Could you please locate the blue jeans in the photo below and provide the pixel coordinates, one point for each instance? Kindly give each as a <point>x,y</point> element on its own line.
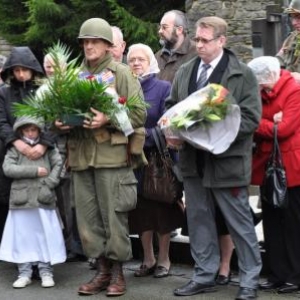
<point>25,269</point>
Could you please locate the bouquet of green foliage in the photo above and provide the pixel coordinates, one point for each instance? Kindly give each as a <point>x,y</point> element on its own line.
<point>66,93</point>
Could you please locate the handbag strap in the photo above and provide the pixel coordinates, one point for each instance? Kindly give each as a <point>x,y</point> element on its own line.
<point>160,142</point>
<point>276,155</point>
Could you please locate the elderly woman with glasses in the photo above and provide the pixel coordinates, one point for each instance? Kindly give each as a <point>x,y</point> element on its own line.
<point>152,216</point>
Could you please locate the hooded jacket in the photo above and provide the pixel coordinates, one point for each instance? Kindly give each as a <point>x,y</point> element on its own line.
<point>23,57</point>
<point>15,91</point>
<point>28,190</point>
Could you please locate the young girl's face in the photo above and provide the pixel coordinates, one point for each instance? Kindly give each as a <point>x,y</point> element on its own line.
<point>31,132</point>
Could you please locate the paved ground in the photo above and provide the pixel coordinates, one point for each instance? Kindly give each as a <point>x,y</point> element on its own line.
<point>69,276</point>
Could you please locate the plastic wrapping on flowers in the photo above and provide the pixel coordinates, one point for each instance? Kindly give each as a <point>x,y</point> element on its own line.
<point>120,115</point>
<point>206,119</point>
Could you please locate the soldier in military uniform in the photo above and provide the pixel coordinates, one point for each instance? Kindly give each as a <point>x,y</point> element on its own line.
<point>289,54</point>
<point>101,163</point>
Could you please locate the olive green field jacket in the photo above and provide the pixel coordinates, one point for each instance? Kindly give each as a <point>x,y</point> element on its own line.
<point>108,147</point>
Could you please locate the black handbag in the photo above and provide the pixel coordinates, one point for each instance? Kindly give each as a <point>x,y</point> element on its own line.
<point>274,189</point>
<point>160,182</point>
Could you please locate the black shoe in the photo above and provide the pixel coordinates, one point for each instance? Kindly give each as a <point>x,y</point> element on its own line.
<point>261,245</point>
<point>246,293</point>
<point>173,233</point>
<point>93,263</point>
<point>193,288</point>
<point>288,288</point>
<point>269,285</point>
<point>222,279</point>
<point>74,257</point>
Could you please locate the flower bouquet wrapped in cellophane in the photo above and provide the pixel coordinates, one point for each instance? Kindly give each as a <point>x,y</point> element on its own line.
<point>206,119</point>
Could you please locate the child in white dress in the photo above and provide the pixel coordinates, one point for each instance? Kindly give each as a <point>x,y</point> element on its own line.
<point>32,233</point>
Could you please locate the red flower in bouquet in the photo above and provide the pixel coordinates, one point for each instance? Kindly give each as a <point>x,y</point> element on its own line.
<point>122,100</point>
<point>91,77</point>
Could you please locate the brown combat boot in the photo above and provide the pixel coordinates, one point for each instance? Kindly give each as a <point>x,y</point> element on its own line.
<point>100,281</point>
<point>117,286</point>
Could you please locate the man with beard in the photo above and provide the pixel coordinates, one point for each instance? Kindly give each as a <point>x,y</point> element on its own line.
<point>177,48</point>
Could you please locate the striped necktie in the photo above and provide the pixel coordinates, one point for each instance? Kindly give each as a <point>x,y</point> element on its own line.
<point>203,76</point>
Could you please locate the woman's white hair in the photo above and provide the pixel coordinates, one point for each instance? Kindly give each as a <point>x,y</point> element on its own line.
<point>149,53</point>
<point>266,69</point>
<point>56,58</point>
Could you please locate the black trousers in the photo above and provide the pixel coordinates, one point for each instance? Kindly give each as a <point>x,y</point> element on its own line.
<point>281,229</point>
<point>64,204</point>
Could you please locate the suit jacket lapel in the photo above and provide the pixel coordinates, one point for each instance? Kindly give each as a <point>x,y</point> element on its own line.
<point>217,74</point>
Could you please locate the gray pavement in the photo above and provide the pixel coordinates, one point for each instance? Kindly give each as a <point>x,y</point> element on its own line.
<point>69,276</point>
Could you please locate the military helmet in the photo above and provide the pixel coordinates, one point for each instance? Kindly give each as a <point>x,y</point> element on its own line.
<point>96,28</point>
<point>294,7</point>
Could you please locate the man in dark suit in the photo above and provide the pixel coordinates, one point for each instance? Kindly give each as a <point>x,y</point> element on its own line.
<point>222,179</point>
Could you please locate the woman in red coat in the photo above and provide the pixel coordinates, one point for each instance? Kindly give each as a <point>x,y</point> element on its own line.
<point>281,104</point>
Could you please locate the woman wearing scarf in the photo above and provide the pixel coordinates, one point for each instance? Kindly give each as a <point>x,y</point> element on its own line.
<point>151,217</point>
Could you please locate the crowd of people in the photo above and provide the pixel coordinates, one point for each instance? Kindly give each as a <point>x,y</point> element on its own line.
<point>94,176</point>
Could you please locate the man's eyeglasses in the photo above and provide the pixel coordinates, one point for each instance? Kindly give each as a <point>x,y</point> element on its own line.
<point>203,41</point>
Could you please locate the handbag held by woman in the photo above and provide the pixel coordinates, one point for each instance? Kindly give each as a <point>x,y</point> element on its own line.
<point>160,182</point>
<point>274,189</point>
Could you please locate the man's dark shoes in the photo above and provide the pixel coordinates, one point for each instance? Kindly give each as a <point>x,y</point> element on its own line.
<point>288,288</point>
<point>269,285</point>
<point>246,293</point>
<point>193,288</point>
<point>222,279</point>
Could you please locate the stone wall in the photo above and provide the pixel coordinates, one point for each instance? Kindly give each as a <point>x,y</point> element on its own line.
<point>237,13</point>
<point>5,47</point>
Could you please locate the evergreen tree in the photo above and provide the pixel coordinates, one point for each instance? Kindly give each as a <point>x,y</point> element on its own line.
<point>13,21</point>
<point>40,23</point>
